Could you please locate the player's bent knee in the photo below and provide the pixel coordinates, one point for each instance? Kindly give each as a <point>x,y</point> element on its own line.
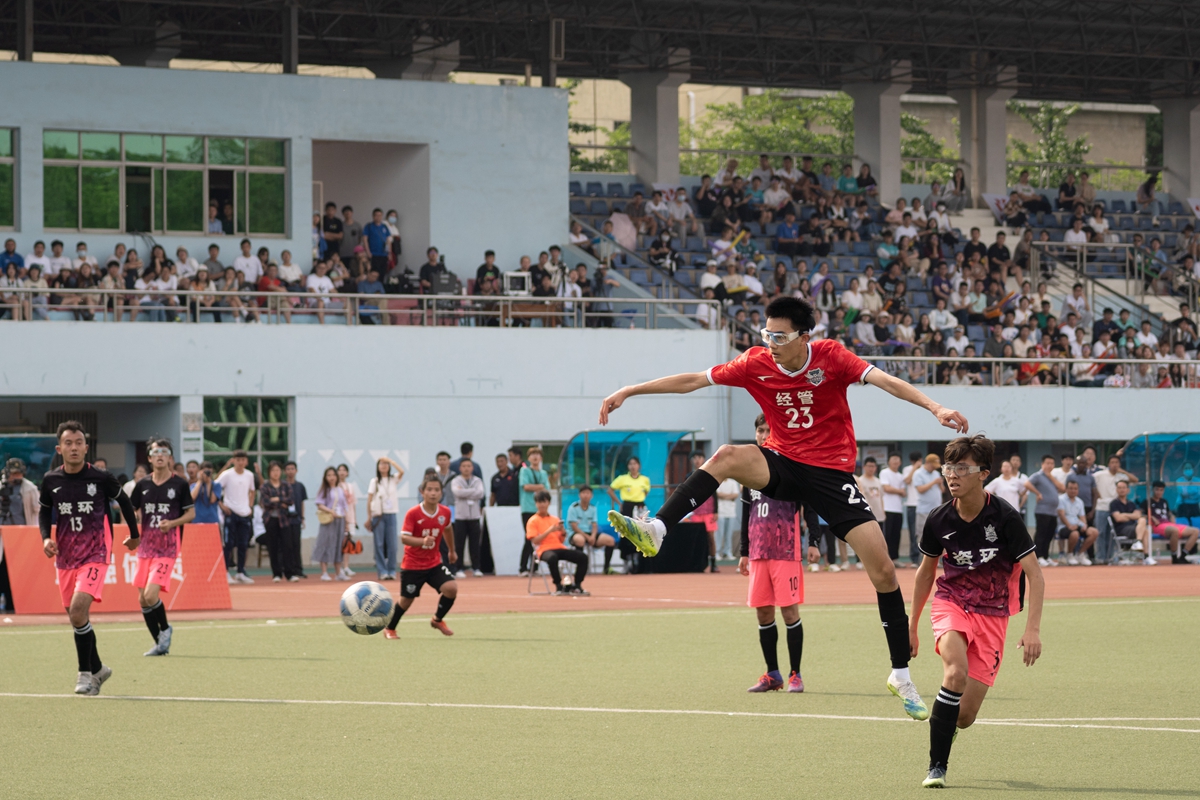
<point>965,718</point>
<point>450,590</point>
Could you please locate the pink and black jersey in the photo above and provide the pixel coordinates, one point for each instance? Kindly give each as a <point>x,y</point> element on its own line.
<point>807,409</point>
<point>980,569</point>
<point>158,502</point>
<point>79,501</point>
<point>770,528</point>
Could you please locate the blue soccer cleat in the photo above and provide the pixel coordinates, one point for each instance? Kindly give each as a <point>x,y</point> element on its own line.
<point>914,706</point>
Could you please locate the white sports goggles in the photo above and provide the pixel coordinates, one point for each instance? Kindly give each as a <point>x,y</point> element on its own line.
<point>779,338</point>
<point>161,451</point>
<point>959,469</point>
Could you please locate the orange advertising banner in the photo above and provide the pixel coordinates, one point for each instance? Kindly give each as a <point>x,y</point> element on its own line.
<point>198,582</point>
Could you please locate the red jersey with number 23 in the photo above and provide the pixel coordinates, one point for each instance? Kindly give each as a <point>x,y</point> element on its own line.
<point>418,523</point>
<point>807,409</point>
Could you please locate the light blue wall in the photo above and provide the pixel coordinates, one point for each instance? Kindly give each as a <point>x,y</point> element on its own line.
<point>498,158</point>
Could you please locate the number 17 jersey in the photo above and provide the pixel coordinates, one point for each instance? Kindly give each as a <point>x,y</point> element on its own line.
<point>806,409</point>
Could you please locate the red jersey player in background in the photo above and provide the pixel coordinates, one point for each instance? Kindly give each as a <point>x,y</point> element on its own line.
<point>79,494</point>
<point>984,546</point>
<point>426,526</point>
<point>771,548</point>
<point>164,505</point>
<point>808,459</point>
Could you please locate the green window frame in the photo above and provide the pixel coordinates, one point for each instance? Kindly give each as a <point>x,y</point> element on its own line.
<point>8,179</point>
<point>87,186</point>
<point>259,425</point>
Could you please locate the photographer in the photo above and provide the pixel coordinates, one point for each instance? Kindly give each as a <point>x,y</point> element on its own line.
<point>18,497</point>
<point>207,495</point>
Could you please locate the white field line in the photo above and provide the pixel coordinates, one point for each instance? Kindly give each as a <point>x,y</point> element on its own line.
<point>1032,723</point>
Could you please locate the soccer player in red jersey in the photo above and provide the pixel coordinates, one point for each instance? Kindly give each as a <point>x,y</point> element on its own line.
<point>164,503</point>
<point>808,459</point>
<point>771,552</point>
<point>986,554</point>
<point>79,494</point>
<point>425,527</point>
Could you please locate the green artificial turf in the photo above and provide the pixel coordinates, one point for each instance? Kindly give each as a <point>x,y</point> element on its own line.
<point>1119,659</point>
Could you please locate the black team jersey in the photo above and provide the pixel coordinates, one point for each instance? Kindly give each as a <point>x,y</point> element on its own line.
<point>80,501</point>
<point>168,501</point>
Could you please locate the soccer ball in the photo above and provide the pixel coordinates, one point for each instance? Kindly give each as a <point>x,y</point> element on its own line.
<point>366,607</point>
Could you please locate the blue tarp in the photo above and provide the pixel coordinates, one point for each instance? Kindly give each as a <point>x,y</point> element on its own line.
<point>1162,457</point>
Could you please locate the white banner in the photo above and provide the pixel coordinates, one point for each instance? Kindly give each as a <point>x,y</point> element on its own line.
<point>1194,204</point>
<point>996,203</point>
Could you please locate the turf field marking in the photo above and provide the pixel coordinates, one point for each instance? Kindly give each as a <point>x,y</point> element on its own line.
<point>1030,723</point>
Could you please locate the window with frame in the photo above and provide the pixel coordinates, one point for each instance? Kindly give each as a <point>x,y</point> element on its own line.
<point>156,183</point>
<point>8,167</point>
<point>258,425</point>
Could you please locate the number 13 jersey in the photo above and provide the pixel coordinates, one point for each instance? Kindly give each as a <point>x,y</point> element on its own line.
<point>79,500</point>
<point>806,409</point>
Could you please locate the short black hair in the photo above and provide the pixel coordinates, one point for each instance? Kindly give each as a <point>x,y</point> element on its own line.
<point>380,210</point>
<point>795,310</point>
<point>331,204</point>
<point>159,441</point>
<point>69,425</point>
<point>541,496</point>
<point>346,208</point>
<point>466,448</point>
<point>442,453</point>
<point>870,460</point>
<point>487,253</point>
<point>287,464</point>
<point>914,456</point>
<point>584,488</point>
<point>240,454</point>
<point>1158,485</point>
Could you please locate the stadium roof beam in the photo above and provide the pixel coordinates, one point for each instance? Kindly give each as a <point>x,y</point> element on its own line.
<point>1084,50</point>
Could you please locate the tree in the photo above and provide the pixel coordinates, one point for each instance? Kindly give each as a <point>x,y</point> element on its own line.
<point>1051,144</point>
<point>599,160</point>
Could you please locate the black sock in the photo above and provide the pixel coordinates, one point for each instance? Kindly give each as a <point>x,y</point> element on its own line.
<point>768,637</point>
<point>795,641</point>
<point>444,604</point>
<point>161,613</point>
<point>85,641</point>
<point>151,618</point>
<point>95,660</point>
<point>608,551</point>
<point>397,613</point>
<point>687,497</point>
<point>895,626</point>
<point>943,721</point>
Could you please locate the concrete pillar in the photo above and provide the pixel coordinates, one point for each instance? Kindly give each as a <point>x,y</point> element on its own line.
<point>983,133</point>
<point>654,120</point>
<point>1181,147</point>
<point>428,61</point>
<point>290,54</point>
<point>877,126</point>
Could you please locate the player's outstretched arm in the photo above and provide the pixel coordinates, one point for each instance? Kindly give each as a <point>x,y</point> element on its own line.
<point>1031,640</point>
<point>922,587</point>
<point>673,384</point>
<point>948,417</point>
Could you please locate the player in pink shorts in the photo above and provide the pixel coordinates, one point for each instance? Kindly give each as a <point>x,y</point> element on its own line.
<point>771,548</point>
<point>164,504</point>
<point>79,493</point>
<point>1163,524</point>
<point>986,553</point>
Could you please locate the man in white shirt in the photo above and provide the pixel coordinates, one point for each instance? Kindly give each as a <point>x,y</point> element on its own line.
<point>1067,469</point>
<point>764,171</point>
<point>38,257</point>
<point>185,265</point>
<point>1072,526</point>
<point>237,504</point>
<point>57,261</point>
<point>1077,235</point>
<point>1077,302</point>
<point>911,495</point>
<point>569,289</point>
<point>958,341</point>
<point>894,492</point>
<point>788,174</point>
<point>1144,337</point>
<point>248,264</point>
<point>1106,492</point>
<point>683,221</point>
<point>754,287</point>
<point>710,279</point>
<point>776,200</point>
<point>82,257</point>
<point>289,273</point>
<point>707,314</point>
<point>872,488</point>
<point>659,213</point>
<point>724,178</point>
<point>729,492</point>
<point>928,481</point>
<point>906,228</point>
<point>1008,487</point>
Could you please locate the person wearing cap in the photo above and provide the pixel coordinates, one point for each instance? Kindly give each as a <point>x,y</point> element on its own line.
<point>21,507</point>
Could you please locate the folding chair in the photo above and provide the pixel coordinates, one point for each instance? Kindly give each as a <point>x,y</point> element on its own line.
<point>535,569</point>
<point>1123,547</point>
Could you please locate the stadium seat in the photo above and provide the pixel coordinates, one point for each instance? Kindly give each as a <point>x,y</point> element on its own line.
<point>862,248</point>
<point>695,243</point>
<point>919,300</point>
<point>634,188</point>
<point>1176,207</point>
<point>595,189</point>
<point>599,206</point>
<point>1183,222</point>
<point>575,188</point>
<point>846,264</point>
<point>1118,207</point>
<point>1125,223</point>
<point>578,206</point>
<point>772,228</point>
<point>618,205</point>
<point>1144,223</point>
<point>616,190</point>
<point>841,248</point>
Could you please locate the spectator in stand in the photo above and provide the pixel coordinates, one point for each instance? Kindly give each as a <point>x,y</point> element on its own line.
<point>38,257</point>
<point>635,209</point>
<point>270,282</point>
<point>1129,522</point>
<point>548,533</point>
<point>1163,525</point>
<point>531,480</point>
<point>248,264</point>
<point>469,493</point>
<point>580,239</point>
<point>332,229</point>
<point>378,237</point>
<point>1047,488</point>
<point>321,285</point>
<point>777,201</point>
<point>583,525</point>
<point>1147,199</point>
<point>1073,525</point>
<point>352,235</point>
<point>659,212</point>
<point>383,509</point>
<point>57,262</point>
<point>1066,193</point>
<point>11,256</point>
<point>683,221</point>
<point>707,314</point>
<point>787,235</point>
<point>866,183</point>
<point>957,193</point>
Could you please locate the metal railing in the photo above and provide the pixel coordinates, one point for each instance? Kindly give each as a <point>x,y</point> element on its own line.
<point>1105,177</point>
<point>675,289</point>
<point>1079,372</point>
<point>191,306</point>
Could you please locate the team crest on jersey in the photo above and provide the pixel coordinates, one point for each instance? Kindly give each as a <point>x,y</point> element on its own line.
<point>989,533</point>
<point>441,519</point>
<point>170,494</point>
<point>412,587</point>
<point>815,376</point>
<point>91,490</point>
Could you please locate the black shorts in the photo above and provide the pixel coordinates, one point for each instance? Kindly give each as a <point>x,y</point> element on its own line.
<point>831,493</point>
<point>411,580</point>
